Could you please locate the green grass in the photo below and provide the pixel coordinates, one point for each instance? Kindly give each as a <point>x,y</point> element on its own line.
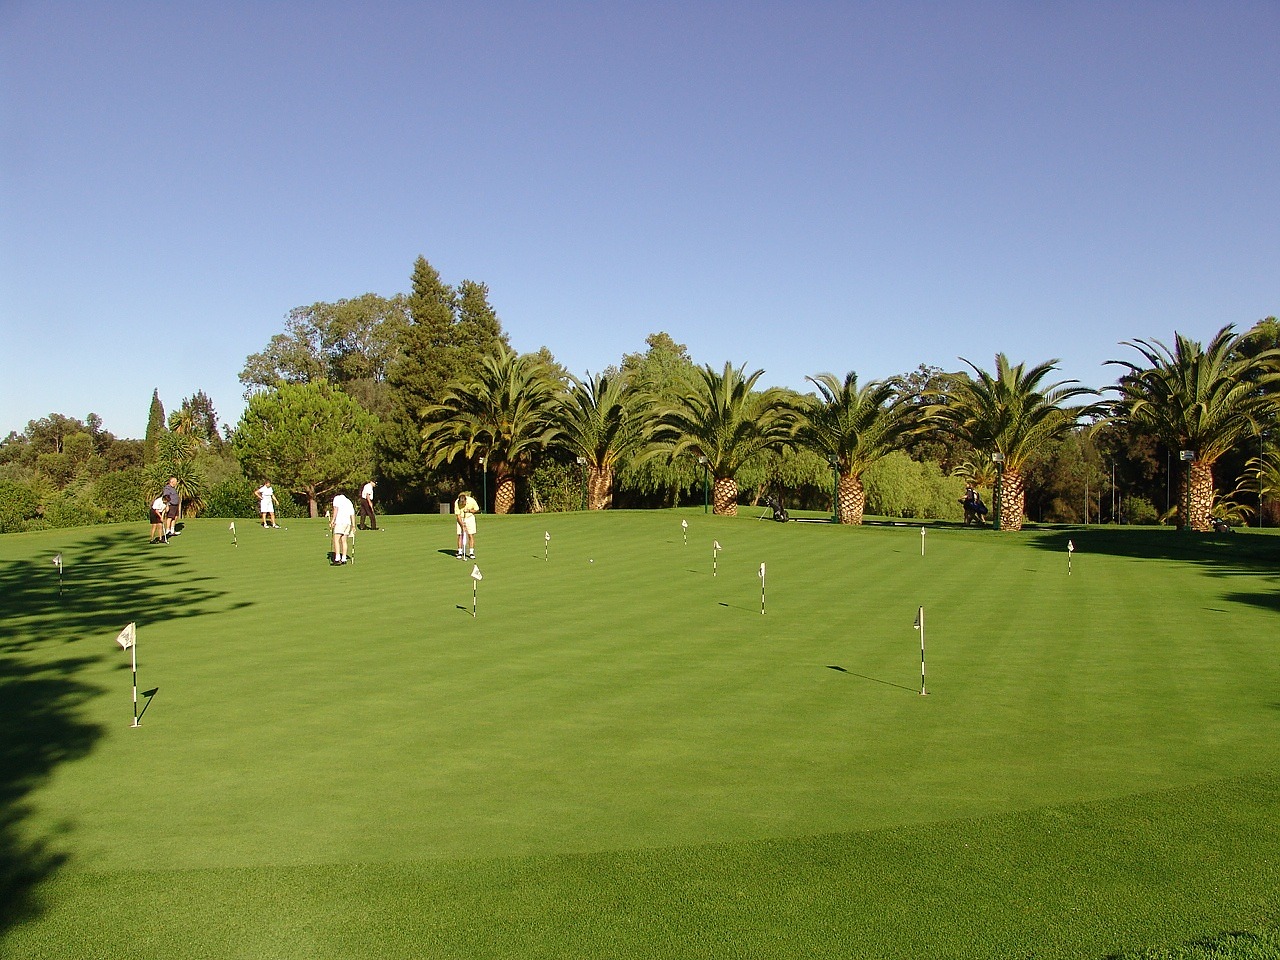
<point>619,755</point>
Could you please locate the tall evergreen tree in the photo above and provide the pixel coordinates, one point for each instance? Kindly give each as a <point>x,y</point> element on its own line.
<point>155,428</point>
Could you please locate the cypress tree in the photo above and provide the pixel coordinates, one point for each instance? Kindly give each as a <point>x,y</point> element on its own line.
<point>155,427</point>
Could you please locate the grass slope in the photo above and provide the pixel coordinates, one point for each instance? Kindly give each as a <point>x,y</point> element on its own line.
<point>619,754</point>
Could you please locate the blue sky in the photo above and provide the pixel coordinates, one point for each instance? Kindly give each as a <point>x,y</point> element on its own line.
<point>798,186</point>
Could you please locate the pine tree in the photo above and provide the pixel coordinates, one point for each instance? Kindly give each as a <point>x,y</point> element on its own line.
<point>155,427</point>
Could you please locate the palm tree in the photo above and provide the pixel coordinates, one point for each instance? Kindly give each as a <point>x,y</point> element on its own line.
<point>602,423</point>
<point>505,415</point>
<point>723,423</point>
<point>852,428</point>
<point>1011,414</point>
<point>1201,399</point>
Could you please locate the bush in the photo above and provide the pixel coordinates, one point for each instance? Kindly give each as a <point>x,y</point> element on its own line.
<point>18,505</point>
<point>122,495</point>
<point>898,486</point>
<point>1141,511</point>
<point>559,487</point>
<point>65,511</point>
<point>232,499</point>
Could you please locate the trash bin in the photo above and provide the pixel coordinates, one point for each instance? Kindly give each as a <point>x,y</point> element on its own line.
<point>444,507</point>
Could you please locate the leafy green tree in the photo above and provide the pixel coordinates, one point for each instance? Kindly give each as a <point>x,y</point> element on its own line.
<point>662,373</point>
<point>506,415</point>
<point>898,486</point>
<point>155,427</point>
<point>308,438</point>
<point>1207,399</point>
<point>852,427</point>
<point>19,505</point>
<point>726,423</point>
<point>602,425</point>
<point>1013,413</point>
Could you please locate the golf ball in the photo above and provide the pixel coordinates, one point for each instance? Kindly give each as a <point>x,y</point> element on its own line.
<point>590,561</point>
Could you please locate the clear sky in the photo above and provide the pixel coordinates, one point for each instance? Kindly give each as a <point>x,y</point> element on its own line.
<point>798,186</point>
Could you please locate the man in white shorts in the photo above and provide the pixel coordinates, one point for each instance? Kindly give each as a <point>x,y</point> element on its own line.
<point>466,509</point>
<point>341,521</point>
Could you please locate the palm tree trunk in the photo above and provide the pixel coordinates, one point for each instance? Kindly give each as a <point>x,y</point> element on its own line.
<point>851,499</point>
<point>504,496</point>
<point>599,488</point>
<point>1013,500</point>
<point>724,497</point>
<point>1201,494</point>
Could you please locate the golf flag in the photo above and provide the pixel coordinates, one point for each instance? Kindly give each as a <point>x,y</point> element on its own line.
<point>922,541</point>
<point>715,556</point>
<point>476,574</point>
<point>684,530</point>
<point>547,536</point>
<point>1071,547</point>
<point>57,561</point>
<point>716,544</point>
<point>128,640</point>
<point>546,546</point>
<point>762,571</point>
<point>924,690</point>
<point>476,577</point>
<point>762,589</point>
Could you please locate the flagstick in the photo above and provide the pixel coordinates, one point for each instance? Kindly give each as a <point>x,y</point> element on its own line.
<point>684,528</point>
<point>924,692</point>
<point>473,598</point>
<point>715,557</point>
<point>922,541</point>
<point>762,573</point>
<point>133,649</point>
<point>546,546</point>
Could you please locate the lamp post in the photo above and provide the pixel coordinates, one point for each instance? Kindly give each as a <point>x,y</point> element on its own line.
<point>834,462</point>
<point>484,482</point>
<point>998,459</point>
<point>1188,457</point>
<point>706,471</point>
<point>582,465</point>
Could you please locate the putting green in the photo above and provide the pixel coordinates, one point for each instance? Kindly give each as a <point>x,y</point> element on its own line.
<point>617,701</point>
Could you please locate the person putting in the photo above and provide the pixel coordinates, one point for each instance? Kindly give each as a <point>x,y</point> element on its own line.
<point>158,521</point>
<point>341,522</point>
<point>466,508</point>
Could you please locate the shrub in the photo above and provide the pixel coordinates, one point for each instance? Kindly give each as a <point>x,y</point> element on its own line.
<point>122,495</point>
<point>18,505</point>
<point>64,511</point>
<point>232,499</point>
<point>898,486</point>
<point>1139,510</point>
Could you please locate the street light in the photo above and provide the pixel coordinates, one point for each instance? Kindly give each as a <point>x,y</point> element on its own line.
<point>1188,457</point>
<point>998,459</point>
<point>835,488</point>
<point>484,482</point>
<point>706,470</point>
<point>582,465</point>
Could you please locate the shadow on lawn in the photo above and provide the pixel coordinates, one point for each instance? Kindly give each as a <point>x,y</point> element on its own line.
<point>49,645</point>
<point>1224,555</point>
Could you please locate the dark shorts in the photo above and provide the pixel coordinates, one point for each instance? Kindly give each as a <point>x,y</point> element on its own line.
<point>155,517</point>
<point>172,511</point>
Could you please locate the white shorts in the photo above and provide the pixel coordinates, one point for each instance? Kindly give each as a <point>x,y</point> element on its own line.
<point>342,529</point>
<point>266,506</point>
<point>467,525</point>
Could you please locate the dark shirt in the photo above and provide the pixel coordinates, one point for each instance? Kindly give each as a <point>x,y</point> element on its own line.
<point>170,494</point>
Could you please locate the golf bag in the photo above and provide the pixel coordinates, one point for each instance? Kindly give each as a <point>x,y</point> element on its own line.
<point>975,511</point>
<point>779,513</point>
<point>1219,525</point>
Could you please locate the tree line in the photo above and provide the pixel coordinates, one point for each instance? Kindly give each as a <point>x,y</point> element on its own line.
<point>423,392</point>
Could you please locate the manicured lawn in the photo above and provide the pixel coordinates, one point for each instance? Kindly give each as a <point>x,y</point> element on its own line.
<point>620,756</point>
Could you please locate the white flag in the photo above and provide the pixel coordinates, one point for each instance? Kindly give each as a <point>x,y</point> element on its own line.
<point>1071,547</point>
<point>716,544</point>
<point>685,524</point>
<point>128,637</point>
<point>57,560</point>
<point>476,574</point>
<point>547,536</point>
<point>762,571</point>
<point>233,526</point>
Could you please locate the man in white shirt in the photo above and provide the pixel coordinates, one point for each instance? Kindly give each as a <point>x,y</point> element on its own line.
<point>341,521</point>
<point>366,506</point>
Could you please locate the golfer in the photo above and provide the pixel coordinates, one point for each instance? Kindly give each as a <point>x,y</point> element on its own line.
<point>466,509</point>
<point>172,503</point>
<point>341,522</point>
<point>267,505</point>
<point>158,509</point>
<point>366,506</point>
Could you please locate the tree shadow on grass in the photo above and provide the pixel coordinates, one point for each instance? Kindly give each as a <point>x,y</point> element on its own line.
<point>1226,555</point>
<point>49,645</point>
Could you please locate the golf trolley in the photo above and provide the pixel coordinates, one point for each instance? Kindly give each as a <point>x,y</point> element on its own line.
<point>779,512</point>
